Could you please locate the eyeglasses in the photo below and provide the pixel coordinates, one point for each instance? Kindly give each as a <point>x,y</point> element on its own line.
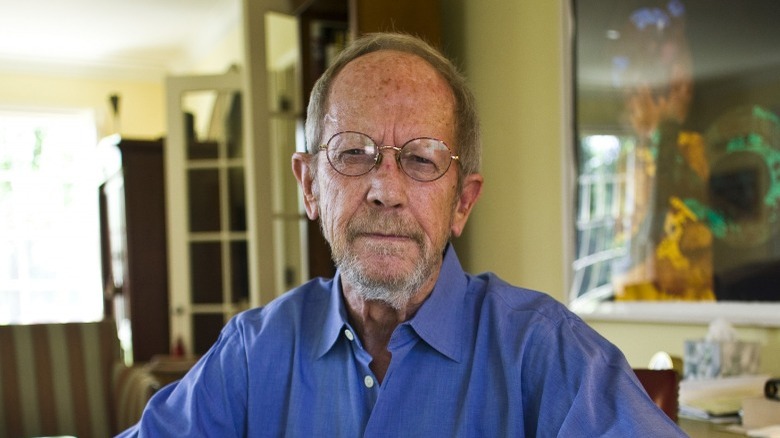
<point>352,153</point>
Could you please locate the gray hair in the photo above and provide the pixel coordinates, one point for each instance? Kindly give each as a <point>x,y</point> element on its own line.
<point>467,134</point>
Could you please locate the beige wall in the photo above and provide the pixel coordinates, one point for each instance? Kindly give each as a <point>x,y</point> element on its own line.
<point>227,51</point>
<point>513,54</point>
<point>141,105</point>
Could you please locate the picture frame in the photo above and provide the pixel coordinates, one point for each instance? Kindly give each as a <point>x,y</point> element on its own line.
<point>675,160</point>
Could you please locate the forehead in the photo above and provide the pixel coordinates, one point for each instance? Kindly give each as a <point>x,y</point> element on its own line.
<point>390,88</point>
<point>387,64</point>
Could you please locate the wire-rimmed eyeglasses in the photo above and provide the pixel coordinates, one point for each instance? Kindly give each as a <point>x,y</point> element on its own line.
<point>353,153</point>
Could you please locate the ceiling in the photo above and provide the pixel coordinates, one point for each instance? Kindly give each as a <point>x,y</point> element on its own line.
<point>127,38</point>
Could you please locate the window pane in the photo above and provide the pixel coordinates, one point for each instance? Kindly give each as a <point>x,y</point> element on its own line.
<point>49,233</point>
<point>204,200</point>
<point>206,268</point>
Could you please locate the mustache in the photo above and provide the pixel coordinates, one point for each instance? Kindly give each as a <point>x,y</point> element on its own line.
<point>374,222</point>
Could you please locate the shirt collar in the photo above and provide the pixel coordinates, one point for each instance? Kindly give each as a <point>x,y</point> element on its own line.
<point>439,321</point>
<point>335,318</point>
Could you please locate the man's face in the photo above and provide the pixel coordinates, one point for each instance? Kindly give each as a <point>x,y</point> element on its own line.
<point>387,231</point>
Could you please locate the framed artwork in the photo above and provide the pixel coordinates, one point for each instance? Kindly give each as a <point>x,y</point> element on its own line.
<point>677,159</point>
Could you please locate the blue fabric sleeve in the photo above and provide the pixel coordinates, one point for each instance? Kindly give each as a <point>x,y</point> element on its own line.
<point>581,385</point>
<point>209,401</point>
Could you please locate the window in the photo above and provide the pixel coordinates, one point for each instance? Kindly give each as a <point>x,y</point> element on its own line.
<point>49,229</point>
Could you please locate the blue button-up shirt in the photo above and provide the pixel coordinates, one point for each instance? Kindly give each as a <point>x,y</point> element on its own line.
<point>481,358</point>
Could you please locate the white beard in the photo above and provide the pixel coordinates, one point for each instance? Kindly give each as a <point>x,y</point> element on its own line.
<point>393,288</point>
<point>394,291</point>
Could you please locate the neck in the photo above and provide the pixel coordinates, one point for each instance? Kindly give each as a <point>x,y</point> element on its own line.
<point>375,322</point>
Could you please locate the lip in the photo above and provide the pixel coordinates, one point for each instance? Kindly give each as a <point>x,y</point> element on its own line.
<point>387,239</point>
<point>380,236</point>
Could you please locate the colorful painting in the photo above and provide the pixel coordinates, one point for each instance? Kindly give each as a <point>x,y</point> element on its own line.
<point>677,148</point>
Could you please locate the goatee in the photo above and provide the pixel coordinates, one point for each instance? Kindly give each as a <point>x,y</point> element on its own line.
<point>375,283</point>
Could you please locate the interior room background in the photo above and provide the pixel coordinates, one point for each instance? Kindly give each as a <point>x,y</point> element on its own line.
<point>516,57</point>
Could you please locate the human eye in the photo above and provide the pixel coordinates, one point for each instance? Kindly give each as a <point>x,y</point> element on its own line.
<point>352,153</point>
<point>419,158</point>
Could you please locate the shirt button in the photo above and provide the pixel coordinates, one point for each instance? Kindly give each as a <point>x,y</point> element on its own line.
<point>349,335</point>
<point>369,382</point>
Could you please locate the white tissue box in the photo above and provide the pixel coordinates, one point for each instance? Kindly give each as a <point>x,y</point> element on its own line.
<point>705,359</point>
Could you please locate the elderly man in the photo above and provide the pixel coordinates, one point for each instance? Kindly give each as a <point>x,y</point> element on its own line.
<point>402,342</point>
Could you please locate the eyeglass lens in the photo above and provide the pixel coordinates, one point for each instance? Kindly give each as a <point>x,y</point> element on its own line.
<point>423,159</point>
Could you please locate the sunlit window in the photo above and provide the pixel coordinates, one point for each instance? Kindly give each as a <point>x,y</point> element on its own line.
<point>49,222</point>
<point>605,208</point>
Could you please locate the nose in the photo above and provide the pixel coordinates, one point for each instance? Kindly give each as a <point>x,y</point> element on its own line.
<point>388,181</point>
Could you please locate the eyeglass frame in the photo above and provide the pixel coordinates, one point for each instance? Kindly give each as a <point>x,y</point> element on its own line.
<point>378,155</point>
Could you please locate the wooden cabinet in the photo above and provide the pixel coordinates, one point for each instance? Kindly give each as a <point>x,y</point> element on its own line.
<point>133,241</point>
<point>324,28</point>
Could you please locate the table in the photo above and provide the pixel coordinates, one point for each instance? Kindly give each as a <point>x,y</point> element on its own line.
<point>706,429</point>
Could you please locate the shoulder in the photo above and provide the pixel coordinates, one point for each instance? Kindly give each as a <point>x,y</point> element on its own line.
<point>506,300</point>
<point>294,302</point>
<point>286,314</point>
<point>526,318</point>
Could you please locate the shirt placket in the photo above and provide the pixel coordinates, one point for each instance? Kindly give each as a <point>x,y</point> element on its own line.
<point>401,343</point>
<point>362,358</point>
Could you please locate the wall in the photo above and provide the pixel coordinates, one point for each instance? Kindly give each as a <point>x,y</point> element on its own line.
<point>513,55</point>
<point>516,227</point>
<point>141,104</point>
<point>224,52</point>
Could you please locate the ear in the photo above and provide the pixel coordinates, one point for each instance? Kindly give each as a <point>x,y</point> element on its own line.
<point>472,188</point>
<point>302,167</point>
